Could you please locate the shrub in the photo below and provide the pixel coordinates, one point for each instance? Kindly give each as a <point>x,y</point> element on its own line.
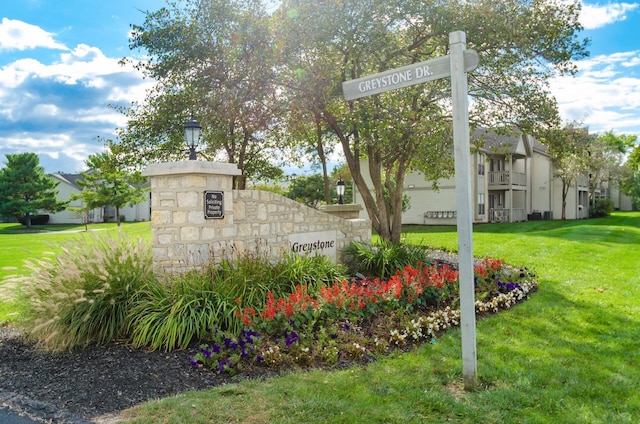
<point>83,296</point>
<point>601,208</point>
<point>382,260</point>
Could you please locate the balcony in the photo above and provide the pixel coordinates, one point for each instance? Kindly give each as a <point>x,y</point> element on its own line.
<point>583,181</point>
<point>506,178</point>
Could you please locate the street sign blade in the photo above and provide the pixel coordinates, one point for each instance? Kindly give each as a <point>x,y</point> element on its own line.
<point>405,76</point>
<point>392,79</point>
<point>471,60</point>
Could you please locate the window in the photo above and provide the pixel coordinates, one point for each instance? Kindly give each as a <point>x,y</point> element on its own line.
<point>481,161</point>
<point>480,203</point>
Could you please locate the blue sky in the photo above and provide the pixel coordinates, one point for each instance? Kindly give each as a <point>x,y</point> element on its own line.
<point>59,72</point>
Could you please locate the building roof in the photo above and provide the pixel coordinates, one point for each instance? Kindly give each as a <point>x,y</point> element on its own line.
<point>508,142</point>
<point>71,179</point>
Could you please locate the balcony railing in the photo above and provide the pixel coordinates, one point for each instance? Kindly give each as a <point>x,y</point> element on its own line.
<point>507,215</point>
<point>504,178</point>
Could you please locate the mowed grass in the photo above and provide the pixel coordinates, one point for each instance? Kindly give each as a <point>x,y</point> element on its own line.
<point>570,354</point>
<point>18,244</point>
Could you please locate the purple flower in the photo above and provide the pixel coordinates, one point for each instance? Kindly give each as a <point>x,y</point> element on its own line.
<point>194,362</point>
<point>244,353</point>
<point>292,338</point>
<point>222,363</point>
<point>248,335</point>
<point>259,358</point>
<point>230,344</point>
<point>216,348</point>
<point>346,326</point>
<point>207,353</point>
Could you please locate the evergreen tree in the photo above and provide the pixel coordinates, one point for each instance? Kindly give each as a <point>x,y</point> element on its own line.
<point>25,189</point>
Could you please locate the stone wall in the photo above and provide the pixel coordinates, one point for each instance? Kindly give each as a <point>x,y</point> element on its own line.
<point>253,222</point>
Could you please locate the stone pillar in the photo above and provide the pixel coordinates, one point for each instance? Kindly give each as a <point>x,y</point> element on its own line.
<point>182,237</point>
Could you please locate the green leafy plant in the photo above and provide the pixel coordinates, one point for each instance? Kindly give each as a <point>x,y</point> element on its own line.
<point>601,208</point>
<point>383,259</point>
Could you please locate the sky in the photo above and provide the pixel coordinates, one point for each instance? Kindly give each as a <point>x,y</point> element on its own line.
<point>60,72</point>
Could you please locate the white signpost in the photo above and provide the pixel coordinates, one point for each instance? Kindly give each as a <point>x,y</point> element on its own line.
<point>455,65</point>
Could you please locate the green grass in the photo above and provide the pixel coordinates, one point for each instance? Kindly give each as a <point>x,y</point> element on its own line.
<point>570,354</point>
<point>18,244</point>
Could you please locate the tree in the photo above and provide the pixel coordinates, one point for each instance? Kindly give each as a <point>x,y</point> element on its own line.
<point>107,184</point>
<point>630,183</point>
<point>605,157</point>
<point>309,133</point>
<point>212,61</point>
<point>631,187</point>
<point>569,149</point>
<point>307,189</point>
<point>25,189</point>
<point>521,44</point>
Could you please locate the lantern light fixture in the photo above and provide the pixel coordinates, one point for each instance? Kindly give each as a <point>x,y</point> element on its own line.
<point>192,131</point>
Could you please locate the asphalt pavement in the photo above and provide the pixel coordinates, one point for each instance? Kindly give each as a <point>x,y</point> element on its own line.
<point>10,417</point>
<point>18,409</point>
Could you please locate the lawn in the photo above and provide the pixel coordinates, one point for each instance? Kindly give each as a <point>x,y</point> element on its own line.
<point>19,244</point>
<point>570,354</point>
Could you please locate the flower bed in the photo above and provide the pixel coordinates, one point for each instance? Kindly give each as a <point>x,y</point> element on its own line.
<point>359,319</point>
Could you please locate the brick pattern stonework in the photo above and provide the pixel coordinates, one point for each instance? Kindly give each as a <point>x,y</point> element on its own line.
<point>255,222</point>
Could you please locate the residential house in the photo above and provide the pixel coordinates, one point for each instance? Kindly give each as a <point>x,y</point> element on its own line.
<point>68,185</point>
<point>512,180</point>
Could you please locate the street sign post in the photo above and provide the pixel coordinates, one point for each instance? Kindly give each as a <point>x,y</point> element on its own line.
<point>455,65</point>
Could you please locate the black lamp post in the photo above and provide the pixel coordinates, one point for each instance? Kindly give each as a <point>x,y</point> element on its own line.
<point>340,186</point>
<point>192,134</point>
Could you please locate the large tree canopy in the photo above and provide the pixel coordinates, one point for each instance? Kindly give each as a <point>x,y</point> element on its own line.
<point>25,189</point>
<point>568,146</point>
<point>521,44</point>
<point>213,61</point>
<point>245,73</point>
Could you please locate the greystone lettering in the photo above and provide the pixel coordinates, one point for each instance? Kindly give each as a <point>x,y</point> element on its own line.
<point>310,247</point>
<point>394,79</point>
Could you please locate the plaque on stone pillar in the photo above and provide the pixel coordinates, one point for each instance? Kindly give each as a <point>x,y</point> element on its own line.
<point>213,204</point>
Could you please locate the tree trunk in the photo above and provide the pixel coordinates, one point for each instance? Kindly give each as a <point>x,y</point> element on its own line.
<point>323,161</point>
<point>565,191</point>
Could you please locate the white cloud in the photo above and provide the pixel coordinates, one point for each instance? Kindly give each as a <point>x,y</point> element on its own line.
<point>58,109</point>
<point>18,35</point>
<point>604,95</point>
<point>596,16</point>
